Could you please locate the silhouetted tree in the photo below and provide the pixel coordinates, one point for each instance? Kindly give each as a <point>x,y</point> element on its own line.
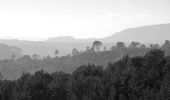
<point>88,50</point>
<point>56,53</point>
<point>113,47</point>
<point>97,45</point>
<point>35,56</point>
<point>154,46</point>
<point>75,52</point>
<point>104,48</point>
<point>134,44</point>
<point>120,45</point>
<point>13,57</point>
<point>142,46</point>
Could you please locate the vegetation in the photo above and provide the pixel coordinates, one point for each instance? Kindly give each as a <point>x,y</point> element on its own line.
<point>14,67</point>
<point>131,78</point>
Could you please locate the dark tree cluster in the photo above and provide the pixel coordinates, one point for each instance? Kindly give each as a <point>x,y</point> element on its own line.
<point>131,78</point>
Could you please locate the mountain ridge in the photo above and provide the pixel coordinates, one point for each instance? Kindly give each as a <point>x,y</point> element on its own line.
<point>127,35</point>
<point>161,32</point>
<point>146,34</point>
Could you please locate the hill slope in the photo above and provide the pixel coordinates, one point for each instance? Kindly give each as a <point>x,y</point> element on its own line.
<point>153,33</point>
<point>6,52</point>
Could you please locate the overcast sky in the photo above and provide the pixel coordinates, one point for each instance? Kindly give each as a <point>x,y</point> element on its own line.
<point>41,19</point>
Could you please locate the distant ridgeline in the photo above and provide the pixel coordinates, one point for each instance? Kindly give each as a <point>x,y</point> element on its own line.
<point>9,52</point>
<point>96,54</point>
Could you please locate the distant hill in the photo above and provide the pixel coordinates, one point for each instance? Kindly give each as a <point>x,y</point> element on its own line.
<point>152,34</point>
<point>69,39</point>
<point>8,52</point>
<point>45,48</point>
<point>146,34</point>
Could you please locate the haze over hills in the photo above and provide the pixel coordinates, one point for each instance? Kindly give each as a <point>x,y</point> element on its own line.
<point>145,34</point>
<point>152,34</point>
<point>45,48</point>
<point>9,52</point>
<point>69,39</point>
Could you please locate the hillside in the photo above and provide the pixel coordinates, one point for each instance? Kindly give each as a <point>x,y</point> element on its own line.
<point>8,52</point>
<point>145,34</point>
<point>144,77</point>
<point>152,33</point>
<point>45,48</point>
<point>12,69</point>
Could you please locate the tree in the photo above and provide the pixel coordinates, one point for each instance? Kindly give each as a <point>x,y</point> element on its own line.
<point>88,49</point>
<point>113,47</point>
<point>120,45</point>
<point>154,64</point>
<point>167,42</point>
<point>22,87</point>
<point>97,45</point>
<point>86,83</point>
<point>6,90</point>
<point>134,44</point>
<point>75,52</point>
<point>1,76</point>
<point>154,46</point>
<point>13,57</point>
<point>165,88</point>
<point>58,88</point>
<point>26,58</point>
<point>56,53</point>
<point>104,48</point>
<point>166,47</point>
<point>142,46</point>
<point>38,85</point>
<point>35,56</point>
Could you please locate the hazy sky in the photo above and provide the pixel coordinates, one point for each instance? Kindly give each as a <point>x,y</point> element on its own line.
<point>41,19</point>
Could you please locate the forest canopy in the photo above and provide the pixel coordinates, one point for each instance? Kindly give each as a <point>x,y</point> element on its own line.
<point>96,54</point>
<point>130,78</point>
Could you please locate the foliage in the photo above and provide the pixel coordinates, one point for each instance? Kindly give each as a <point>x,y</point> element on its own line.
<point>130,78</point>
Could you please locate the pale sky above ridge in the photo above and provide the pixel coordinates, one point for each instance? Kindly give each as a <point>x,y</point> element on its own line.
<point>41,19</point>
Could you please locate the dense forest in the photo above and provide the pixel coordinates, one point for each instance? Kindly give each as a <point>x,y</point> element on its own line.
<point>130,78</point>
<point>84,50</point>
<point>133,72</point>
<point>96,54</point>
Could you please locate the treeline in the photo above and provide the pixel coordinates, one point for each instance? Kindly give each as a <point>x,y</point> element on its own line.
<point>95,54</point>
<point>131,78</point>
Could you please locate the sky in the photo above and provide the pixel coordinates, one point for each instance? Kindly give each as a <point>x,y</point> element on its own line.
<point>42,19</point>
